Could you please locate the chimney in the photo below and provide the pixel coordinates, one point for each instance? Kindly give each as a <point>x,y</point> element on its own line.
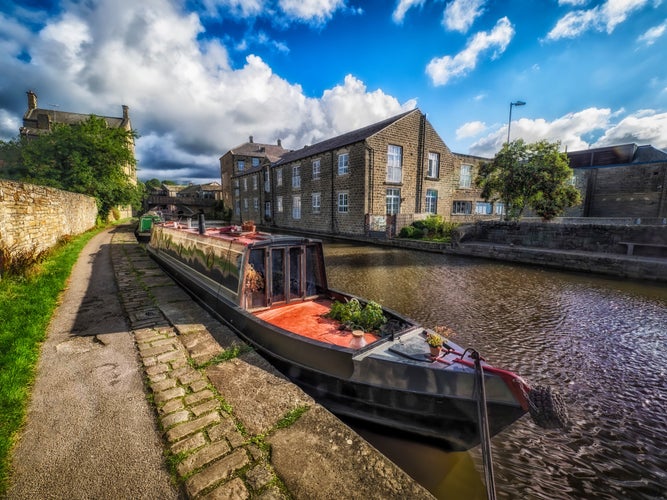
<point>32,100</point>
<point>126,113</point>
<point>279,144</point>
<point>250,139</point>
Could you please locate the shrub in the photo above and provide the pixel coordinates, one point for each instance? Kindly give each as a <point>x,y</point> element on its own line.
<point>369,318</point>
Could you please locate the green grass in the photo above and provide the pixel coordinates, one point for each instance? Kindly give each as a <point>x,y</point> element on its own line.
<point>26,306</point>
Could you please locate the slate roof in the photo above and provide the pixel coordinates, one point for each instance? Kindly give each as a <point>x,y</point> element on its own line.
<point>271,152</point>
<point>613,156</point>
<point>31,127</point>
<point>340,141</point>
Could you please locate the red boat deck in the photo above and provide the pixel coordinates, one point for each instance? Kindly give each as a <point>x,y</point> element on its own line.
<point>306,319</point>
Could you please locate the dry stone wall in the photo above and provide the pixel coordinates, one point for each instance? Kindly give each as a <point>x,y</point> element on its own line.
<point>34,218</point>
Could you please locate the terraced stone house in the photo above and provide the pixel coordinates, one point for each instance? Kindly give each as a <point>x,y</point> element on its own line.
<point>370,182</point>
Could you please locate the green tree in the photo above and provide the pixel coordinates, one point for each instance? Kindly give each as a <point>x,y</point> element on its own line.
<point>532,176</point>
<point>88,158</point>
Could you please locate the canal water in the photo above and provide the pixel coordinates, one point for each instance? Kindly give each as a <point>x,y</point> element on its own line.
<point>600,342</point>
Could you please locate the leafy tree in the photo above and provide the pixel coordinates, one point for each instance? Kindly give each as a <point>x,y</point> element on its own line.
<point>88,158</point>
<point>532,176</point>
<point>153,184</point>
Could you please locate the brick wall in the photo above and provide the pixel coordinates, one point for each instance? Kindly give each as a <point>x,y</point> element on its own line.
<point>34,218</point>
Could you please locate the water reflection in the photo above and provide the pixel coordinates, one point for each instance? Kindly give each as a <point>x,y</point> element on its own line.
<point>601,341</point>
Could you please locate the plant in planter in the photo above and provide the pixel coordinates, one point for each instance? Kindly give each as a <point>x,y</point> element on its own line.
<point>353,316</point>
<point>253,281</point>
<point>434,342</point>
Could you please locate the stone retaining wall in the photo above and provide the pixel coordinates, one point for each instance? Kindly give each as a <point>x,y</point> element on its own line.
<point>33,218</point>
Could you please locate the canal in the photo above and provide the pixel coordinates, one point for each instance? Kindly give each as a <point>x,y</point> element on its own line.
<point>601,342</point>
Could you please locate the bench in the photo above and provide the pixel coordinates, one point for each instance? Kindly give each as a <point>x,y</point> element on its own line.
<point>632,244</point>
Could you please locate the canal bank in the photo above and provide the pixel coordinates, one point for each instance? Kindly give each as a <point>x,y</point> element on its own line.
<point>233,427</point>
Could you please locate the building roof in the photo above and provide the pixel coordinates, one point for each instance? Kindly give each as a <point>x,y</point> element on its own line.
<point>624,154</point>
<point>340,141</point>
<point>272,152</point>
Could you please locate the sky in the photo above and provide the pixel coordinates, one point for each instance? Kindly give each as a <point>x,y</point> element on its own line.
<point>201,76</point>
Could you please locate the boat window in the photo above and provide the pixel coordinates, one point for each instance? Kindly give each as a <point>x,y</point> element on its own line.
<point>295,273</point>
<point>278,274</point>
<point>314,272</point>
<point>255,279</point>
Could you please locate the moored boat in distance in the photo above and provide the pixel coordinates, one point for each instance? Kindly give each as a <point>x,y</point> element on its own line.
<point>272,289</point>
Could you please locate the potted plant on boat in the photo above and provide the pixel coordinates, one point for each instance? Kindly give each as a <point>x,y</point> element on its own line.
<point>248,226</point>
<point>253,281</point>
<point>434,342</point>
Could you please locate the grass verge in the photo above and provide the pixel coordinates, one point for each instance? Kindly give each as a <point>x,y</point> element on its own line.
<point>26,306</point>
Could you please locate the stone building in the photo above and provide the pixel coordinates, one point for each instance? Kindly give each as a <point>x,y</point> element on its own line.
<point>371,181</point>
<point>621,181</point>
<point>38,121</point>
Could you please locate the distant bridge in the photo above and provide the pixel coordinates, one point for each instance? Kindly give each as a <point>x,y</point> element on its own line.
<point>189,206</point>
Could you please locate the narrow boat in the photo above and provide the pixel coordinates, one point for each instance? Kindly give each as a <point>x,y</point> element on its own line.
<point>272,289</point>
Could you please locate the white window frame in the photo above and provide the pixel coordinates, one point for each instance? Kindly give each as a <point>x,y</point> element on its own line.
<point>245,204</point>
<point>343,202</point>
<point>296,207</point>
<point>255,203</point>
<point>240,165</point>
<point>245,184</point>
<point>432,201</point>
<point>255,181</point>
<point>483,208</point>
<point>499,208</point>
<point>296,177</point>
<point>316,203</point>
<point>394,163</point>
<point>461,207</point>
<point>343,163</point>
<point>317,169</point>
<point>267,181</point>
<point>465,179</point>
<point>433,165</point>
<point>267,209</point>
<point>393,201</point>
<point>279,176</point>
<point>279,204</point>
<point>255,161</point>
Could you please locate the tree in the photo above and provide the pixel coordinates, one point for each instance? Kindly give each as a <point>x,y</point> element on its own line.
<point>89,158</point>
<point>533,176</point>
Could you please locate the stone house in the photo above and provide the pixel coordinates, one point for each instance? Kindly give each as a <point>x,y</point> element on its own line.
<point>244,167</point>
<point>38,121</point>
<point>371,181</point>
<point>621,181</point>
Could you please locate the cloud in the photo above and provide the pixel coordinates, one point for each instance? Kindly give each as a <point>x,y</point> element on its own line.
<point>642,127</point>
<point>311,11</point>
<point>652,34</point>
<point>403,7</point>
<point>461,14</point>
<point>570,129</point>
<point>186,100</point>
<point>600,18</point>
<point>470,129</point>
<point>441,70</point>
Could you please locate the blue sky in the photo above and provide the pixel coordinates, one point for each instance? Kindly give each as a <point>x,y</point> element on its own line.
<point>200,76</point>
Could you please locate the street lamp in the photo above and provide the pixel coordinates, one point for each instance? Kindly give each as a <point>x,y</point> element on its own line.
<point>509,123</point>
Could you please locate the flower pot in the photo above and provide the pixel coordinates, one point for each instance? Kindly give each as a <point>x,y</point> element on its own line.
<point>435,351</point>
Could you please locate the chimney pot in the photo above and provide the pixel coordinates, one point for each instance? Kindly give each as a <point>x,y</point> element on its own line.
<point>250,139</point>
<point>279,143</point>
<point>126,113</point>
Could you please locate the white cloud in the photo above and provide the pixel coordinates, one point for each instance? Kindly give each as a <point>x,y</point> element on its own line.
<point>600,18</point>
<point>642,127</point>
<point>572,2</point>
<point>402,7</point>
<point>315,11</point>
<point>470,129</point>
<point>461,14</point>
<point>651,35</point>
<point>186,100</point>
<point>570,130</point>
<point>441,70</point>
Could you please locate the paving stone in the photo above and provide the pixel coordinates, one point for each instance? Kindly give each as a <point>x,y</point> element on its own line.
<point>182,430</point>
<point>199,385</point>
<point>174,392</point>
<point>274,493</point>
<point>159,368</point>
<point>171,356</point>
<point>220,470</point>
<point>175,418</point>
<point>200,396</point>
<point>171,406</point>
<point>157,377</point>
<point>202,457</point>
<point>258,477</point>
<point>163,385</point>
<point>179,363</point>
<point>189,377</point>
<point>157,350</point>
<point>189,444</point>
<point>232,490</point>
<point>206,407</point>
<point>224,428</point>
<point>168,341</point>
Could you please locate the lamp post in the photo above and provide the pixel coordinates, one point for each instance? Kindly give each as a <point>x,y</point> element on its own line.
<point>509,123</point>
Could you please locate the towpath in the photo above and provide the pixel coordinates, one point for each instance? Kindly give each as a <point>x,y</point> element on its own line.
<point>230,425</point>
